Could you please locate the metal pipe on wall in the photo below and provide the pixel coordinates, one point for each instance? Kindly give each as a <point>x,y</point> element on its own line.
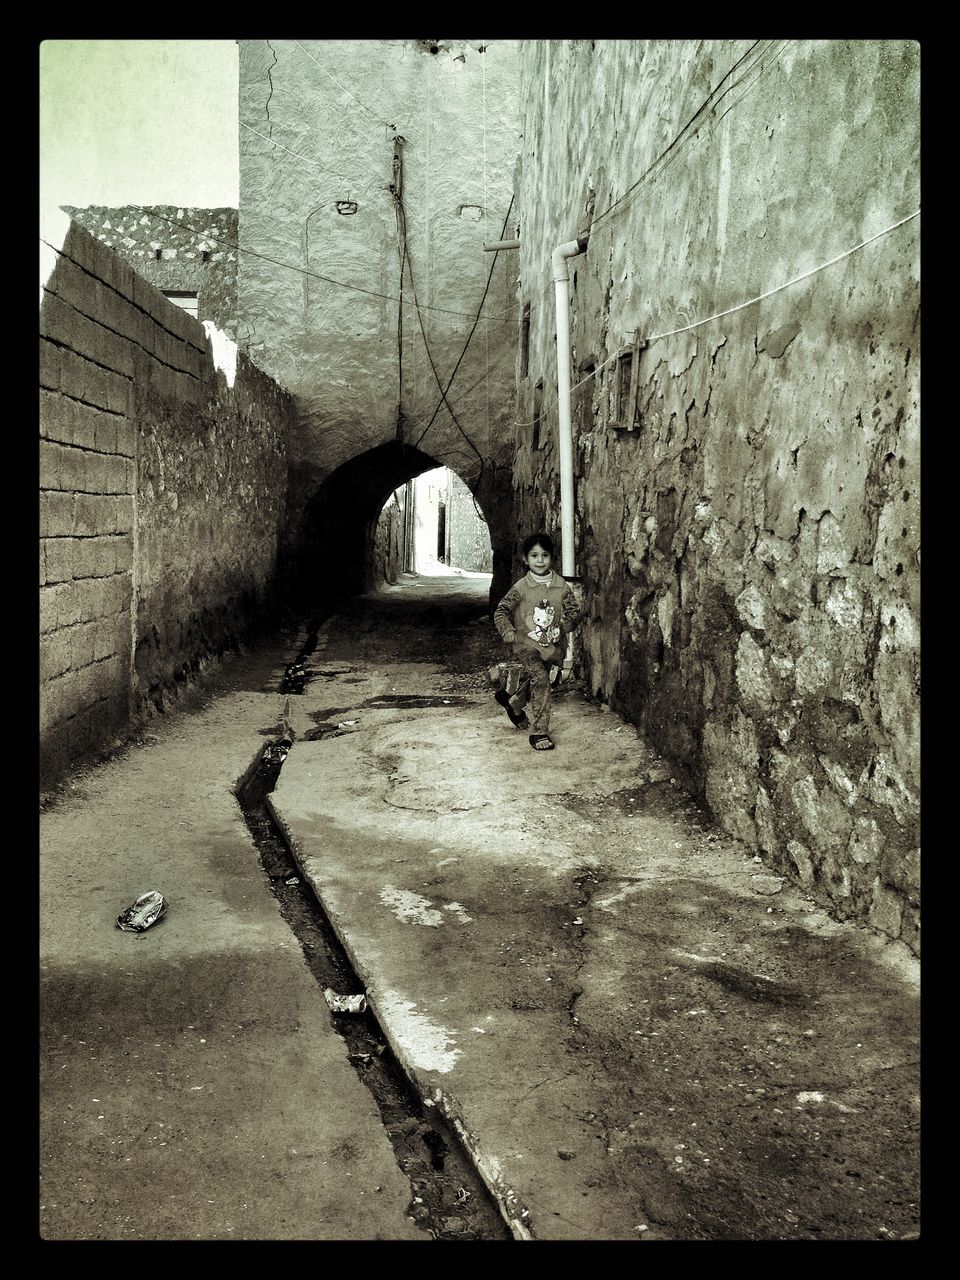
<point>561,278</point>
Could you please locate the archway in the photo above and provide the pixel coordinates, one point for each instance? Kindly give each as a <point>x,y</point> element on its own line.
<point>331,551</point>
<point>433,525</point>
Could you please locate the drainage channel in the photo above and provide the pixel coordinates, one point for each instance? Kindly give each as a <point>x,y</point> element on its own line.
<point>448,1199</point>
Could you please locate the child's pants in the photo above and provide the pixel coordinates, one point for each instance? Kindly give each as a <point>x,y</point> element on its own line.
<point>534,690</point>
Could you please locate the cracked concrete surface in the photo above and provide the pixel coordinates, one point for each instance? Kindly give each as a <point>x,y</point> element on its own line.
<point>638,1030</point>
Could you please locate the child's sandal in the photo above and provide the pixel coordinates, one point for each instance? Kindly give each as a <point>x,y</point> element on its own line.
<point>518,721</point>
<point>541,742</point>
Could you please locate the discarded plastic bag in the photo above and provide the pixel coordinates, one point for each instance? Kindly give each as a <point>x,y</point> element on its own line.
<point>147,910</point>
<point>344,1004</point>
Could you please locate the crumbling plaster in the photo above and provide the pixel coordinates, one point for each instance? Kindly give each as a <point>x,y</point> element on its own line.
<point>751,548</point>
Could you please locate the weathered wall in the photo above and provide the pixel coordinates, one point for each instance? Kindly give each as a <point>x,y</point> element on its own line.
<point>189,250</point>
<point>750,546</point>
<point>320,122</point>
<point>162,493</point>
<point>388,543</point>
<point>468,537</point>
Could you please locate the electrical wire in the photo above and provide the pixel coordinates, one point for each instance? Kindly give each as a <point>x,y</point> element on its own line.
<point>682,133</point>
<point>656,337</point>
<point>413,285</point>
<point>680,139</point>
<point>299,154</point>
<point>470,334</point>
<point>796,280</point>
<point>403,262</point>
<point>343,88</point>
<point>314,275</point>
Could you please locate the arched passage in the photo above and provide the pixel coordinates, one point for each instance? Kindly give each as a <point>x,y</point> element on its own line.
<point>434,524</point>
<point>334,534</point>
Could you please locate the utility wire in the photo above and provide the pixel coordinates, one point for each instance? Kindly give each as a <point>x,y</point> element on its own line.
<point>655,337</point>
<point>796,280</point>
<point>402,249</point>
<point>314,275</point>
<point>676,140</point>
<point>443,394</point>
<point>344,88</point>
<point>299,154</point>
<point>471,333</point>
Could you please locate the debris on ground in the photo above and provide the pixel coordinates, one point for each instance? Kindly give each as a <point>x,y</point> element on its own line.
<point>147,910</point>
<point>344,1004</point>
<point>277,752</point>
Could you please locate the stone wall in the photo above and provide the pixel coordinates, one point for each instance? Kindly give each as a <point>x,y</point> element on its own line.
<point>388,543</point>
<point>162,494</point>
<point>332,131</point>
<point>468,537</point>
<point>186,250</point>
<point>747,509</point>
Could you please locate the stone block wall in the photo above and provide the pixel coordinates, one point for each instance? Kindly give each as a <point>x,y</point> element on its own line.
<point>747,489</point>
<point>162,493</point>
<point>186,250</point>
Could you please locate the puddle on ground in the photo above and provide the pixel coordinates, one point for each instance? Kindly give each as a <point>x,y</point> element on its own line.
<point>416,700</point>
<point>325,730</point>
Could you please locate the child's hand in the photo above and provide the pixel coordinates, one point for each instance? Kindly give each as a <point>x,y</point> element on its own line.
<point>509,637</point>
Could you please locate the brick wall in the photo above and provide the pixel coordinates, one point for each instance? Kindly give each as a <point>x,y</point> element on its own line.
<point>162,492</point>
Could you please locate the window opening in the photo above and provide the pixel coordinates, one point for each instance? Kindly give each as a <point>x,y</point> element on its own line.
<point>187,301</point>
<point>537,415</point>
<point>525,341</point>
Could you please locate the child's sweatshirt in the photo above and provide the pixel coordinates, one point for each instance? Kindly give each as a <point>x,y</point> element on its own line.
<point>541,611</point>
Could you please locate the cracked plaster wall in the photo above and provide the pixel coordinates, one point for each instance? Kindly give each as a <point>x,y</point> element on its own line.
<point>162,497</point>
<point>751,549</point>
<point>340,105</point>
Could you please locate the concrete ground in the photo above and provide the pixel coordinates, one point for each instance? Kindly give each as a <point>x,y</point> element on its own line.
<point>191,1084</point>
<point>639,1032</point>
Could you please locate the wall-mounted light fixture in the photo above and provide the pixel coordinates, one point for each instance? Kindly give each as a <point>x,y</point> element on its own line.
<point>346,207</point>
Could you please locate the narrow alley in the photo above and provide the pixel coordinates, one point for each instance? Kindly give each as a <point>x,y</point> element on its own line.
<point>374,374</point>
<point>629,1028</point>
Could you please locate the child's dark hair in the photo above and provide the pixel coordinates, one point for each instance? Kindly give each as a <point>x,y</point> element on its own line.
<point>539,540</point>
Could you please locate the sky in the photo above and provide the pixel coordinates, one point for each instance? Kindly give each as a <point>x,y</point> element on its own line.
<point>139,122</point>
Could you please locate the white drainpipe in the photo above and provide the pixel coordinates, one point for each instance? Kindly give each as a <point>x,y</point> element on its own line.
<point>561,277</point>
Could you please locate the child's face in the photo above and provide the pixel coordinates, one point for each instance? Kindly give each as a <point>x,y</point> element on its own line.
<point>538,560</point>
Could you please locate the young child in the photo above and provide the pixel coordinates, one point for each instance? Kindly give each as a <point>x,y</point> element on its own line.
<point>534,618</point>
